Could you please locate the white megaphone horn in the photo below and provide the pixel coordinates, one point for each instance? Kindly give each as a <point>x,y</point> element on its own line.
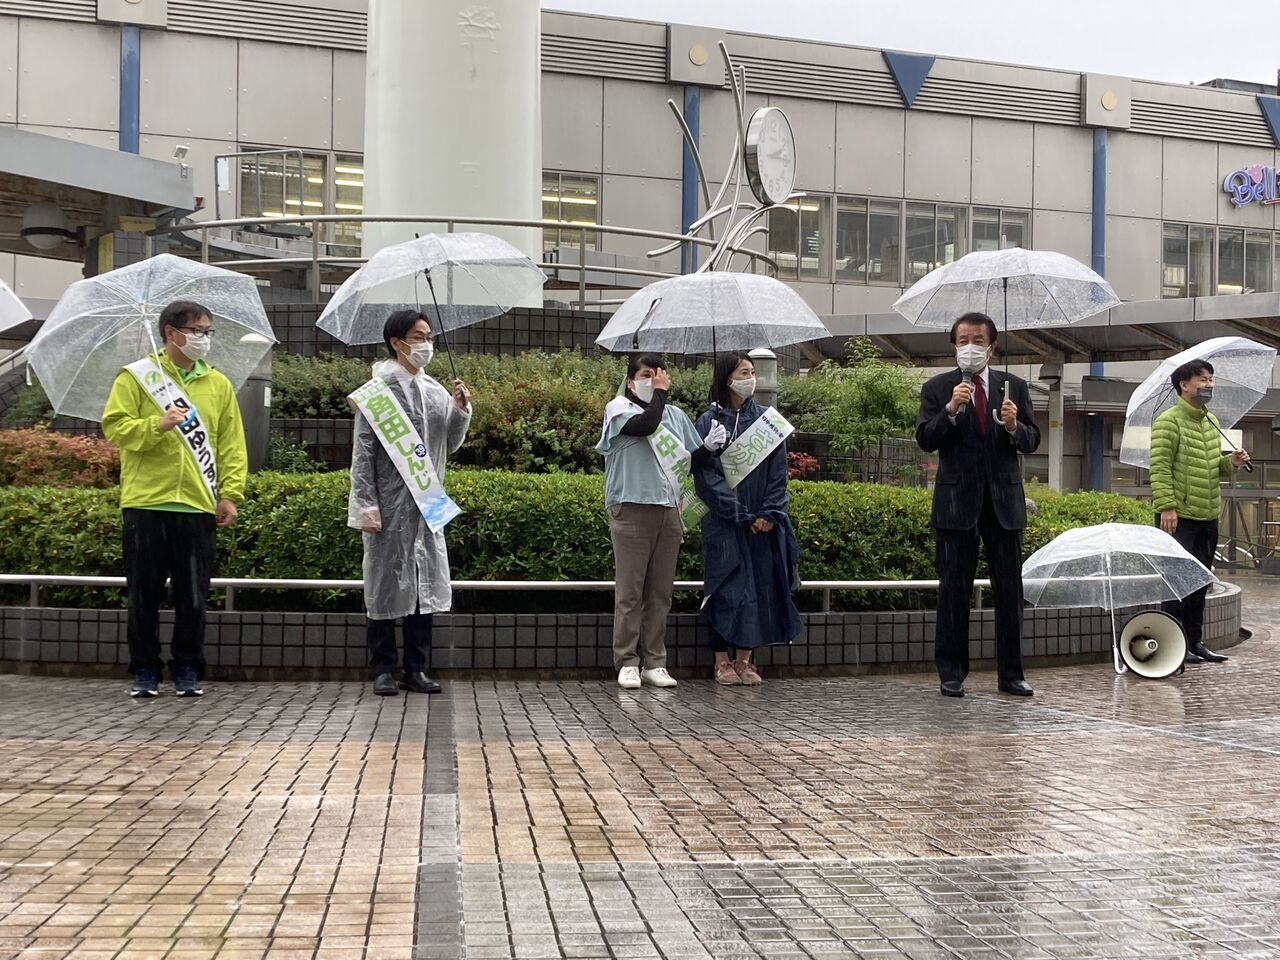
<point>1153,645</point>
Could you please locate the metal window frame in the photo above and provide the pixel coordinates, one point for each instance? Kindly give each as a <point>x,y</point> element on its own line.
<point>560,231</point>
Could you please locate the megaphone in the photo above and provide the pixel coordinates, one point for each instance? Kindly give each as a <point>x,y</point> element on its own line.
<point>1153,645</point>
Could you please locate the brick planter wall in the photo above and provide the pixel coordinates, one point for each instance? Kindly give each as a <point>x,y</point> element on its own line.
<point>246,645</point>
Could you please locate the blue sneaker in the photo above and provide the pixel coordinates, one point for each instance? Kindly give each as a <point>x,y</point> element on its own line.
<point>145,684</point>
<point>186,683</point>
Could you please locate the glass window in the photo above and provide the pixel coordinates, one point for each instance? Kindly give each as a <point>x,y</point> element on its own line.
<point>953,234</point>
<point>1173,261</point>
<point>348,198</point>
<point>783,233</point>
<point>273,186</point>
<point>884,242</point>
<point>1230,261</point>
<point>851,240</point>
<point>1015,229</point>
<point>921,247</point>
<point>570,198</point>
<point>815,231</point>
<point>986,228</point>
<point>1199,261</point>
<point>1257,262</point>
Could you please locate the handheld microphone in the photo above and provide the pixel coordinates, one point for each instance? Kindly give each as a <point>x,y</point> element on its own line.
<point>965,377</point>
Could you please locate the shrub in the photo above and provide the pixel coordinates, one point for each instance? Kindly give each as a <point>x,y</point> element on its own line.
<point>802,466</point>
<point>314,387</point>
<point>30,406</point>
<point>40,458</point>
<point>513,527</point>
<point>291,456</point>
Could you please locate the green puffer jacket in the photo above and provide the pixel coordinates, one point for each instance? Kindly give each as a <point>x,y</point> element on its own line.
<point>1187,463</point>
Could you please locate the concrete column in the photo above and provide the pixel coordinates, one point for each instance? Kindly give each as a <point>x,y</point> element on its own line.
<point>453,121</point>
<point>1057,434</point>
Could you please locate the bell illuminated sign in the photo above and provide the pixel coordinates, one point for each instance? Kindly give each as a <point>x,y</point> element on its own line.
<point>1253,184</point>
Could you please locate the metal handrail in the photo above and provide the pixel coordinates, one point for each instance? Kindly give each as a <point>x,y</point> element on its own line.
<point>315,260</point>
<point>231,584</point>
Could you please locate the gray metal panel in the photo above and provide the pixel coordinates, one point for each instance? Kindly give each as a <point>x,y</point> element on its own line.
<point>870,144</point>
<point>814,126</point>
<point>284,95</point>
<point>1063,168</point>
<point>1191,188</point>
<point>1133,257</point>
<point>8,73</point>
<point>172,86</point>
<point>52,91</point>
<point>1106,101</point>
<point>572,108</point>
<point>40,157</point>
<point>339,24</point>
<point>816,295</point>
<point>641,137</point>
<point>1063,232</point>
<point>1238,306</point>
<point>199,160</point>
<point>1232,158</point>
<point>938,157</point>
<point>44,278</point>
<point>348,101</point>
<point>621,55</point>
<point>692,55</point>
<point>852,298</point>
<point>642,202</point>
<point>720,131</point>
<point>1153,312</point>
<point>1133,175</point>
<point>104,139</point>
<point>143,13</point>
<point>1002,162</point>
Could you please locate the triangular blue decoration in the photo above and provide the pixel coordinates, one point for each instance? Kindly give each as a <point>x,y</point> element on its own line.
<point>1270,107</point>
<point>909,72</point>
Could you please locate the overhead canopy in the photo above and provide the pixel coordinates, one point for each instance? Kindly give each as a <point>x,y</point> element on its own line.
<point>93,187</point>
<point>1140,330</point>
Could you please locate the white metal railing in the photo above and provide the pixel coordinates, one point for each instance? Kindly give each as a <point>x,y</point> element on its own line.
<point>36,581</point>
<point>316,260</point>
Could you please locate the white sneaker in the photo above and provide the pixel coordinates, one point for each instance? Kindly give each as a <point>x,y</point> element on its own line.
<point>658,677</point>
<point>629,678</point>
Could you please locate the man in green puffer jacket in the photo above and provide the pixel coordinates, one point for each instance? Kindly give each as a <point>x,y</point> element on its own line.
<point>1187,469</point>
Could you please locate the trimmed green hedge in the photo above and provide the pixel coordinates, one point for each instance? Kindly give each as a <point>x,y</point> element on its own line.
<point>513,527</point>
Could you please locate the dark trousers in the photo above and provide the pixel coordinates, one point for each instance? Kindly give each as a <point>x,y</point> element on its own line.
<point>160,545</point>
<point>957,560</point>
<point>1199,538</point>
<point>417,644</point>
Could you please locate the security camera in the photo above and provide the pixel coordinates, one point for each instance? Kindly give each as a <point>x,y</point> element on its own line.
<point>1050,373</point>
<point>180,151</point>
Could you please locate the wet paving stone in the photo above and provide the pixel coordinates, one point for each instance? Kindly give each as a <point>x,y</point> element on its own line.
<point>1108,817</point>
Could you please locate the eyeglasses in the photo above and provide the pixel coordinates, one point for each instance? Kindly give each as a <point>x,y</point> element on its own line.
<point>197,331</point>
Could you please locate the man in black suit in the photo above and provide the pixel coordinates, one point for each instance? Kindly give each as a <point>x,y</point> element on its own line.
<point>977,420</point>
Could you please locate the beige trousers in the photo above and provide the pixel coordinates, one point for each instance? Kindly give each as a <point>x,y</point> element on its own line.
<point>646,545</point>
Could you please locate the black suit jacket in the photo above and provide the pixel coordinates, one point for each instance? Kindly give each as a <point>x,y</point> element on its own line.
<point>969,461</point>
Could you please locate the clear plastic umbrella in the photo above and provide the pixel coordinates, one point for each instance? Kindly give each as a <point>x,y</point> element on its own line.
<point>12,310</point>
<point>1111,565</point>
<point>105,322</point>
<point>1241,377</point>
<point>1016,288</point>
<point>474,276</point>
<point>707,312</point>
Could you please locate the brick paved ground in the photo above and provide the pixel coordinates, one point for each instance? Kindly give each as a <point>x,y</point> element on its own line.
<point>852,817</point>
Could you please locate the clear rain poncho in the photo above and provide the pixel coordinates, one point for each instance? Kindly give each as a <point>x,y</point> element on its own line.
<point>406,566</point>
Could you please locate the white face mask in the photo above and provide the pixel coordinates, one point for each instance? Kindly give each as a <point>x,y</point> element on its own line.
<point>743,388</point>
<point>643,389</point>
<point>971,357</point>
<point>420,354</point>
<point>196,347</point>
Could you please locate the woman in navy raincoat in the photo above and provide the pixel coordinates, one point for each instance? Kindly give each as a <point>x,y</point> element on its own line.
<point>749,549</point>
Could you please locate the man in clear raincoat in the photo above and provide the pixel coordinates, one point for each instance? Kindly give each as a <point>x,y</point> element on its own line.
<point>406,564</point>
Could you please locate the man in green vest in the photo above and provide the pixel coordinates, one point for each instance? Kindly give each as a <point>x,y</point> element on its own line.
<point>1187,469</point>
<point>183,465</point>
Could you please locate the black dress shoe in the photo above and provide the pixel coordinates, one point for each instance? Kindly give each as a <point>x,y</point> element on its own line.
<point>1204,653</point>
<point>1019,688</point>
<point>419,683</point>
<point>1192,657</point>
<point>952,688</point>
<point>384,685</point>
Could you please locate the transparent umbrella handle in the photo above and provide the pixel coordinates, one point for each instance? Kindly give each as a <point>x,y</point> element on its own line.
<point>1117,660</point>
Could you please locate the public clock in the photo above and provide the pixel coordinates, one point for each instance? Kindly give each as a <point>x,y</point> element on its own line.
<point>770,155</point>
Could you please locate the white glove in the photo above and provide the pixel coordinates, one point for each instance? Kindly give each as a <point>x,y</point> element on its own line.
<point>716,437</point>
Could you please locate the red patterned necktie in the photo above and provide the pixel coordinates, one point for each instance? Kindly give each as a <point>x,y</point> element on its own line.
<point>980,403</point>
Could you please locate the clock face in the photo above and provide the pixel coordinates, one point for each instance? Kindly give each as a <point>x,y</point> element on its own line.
<point>770,155</point>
